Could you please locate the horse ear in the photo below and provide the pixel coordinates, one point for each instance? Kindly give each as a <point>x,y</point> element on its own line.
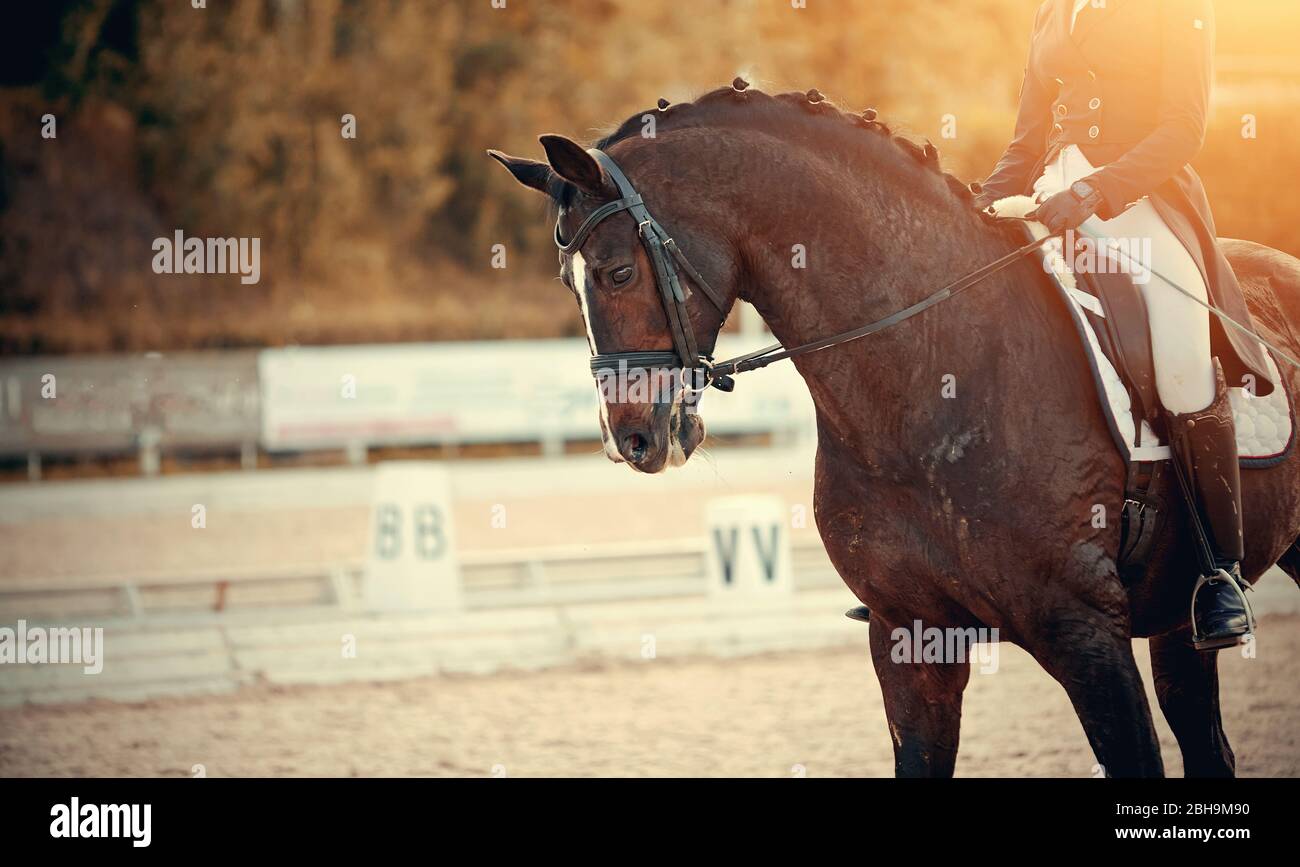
<point>571,161</point>
<point>530,173</point>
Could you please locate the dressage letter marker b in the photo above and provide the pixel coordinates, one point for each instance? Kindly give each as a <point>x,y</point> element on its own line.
<point>749,546</point>
<point>412,562</point>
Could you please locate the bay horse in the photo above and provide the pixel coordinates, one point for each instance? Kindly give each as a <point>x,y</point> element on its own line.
<point>960,455</point>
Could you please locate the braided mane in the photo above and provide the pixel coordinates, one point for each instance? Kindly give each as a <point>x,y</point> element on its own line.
<point>808,114</point>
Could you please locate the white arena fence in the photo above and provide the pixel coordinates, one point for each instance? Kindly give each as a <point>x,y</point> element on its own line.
<point>207,626</point>
<point>211,631</point>
<point>342,398</point>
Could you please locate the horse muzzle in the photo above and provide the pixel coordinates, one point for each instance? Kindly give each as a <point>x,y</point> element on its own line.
<point>652,444</point>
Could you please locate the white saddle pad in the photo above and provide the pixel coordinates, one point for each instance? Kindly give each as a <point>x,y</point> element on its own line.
<point>1264,424</point>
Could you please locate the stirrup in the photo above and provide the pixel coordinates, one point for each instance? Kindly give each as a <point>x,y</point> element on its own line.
<point>1210,578</point>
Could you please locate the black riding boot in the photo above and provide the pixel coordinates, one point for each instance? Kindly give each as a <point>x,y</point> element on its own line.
<point>1205,446</point>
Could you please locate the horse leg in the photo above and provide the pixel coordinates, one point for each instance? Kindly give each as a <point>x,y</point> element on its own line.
<point>922,705</point>
<point>1090,654</point>
<point>1187,686</point>
<point>1290,562</point>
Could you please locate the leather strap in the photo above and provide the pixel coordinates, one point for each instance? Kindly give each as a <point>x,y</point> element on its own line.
<point>776,352</point>
<point>620,361</point>
<point>1140,520</point>
<point>594,218</point>
<point>1130,333</point>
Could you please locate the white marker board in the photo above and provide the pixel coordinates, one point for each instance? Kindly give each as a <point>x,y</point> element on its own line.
<point>748,546</point>
<point>411,560</point>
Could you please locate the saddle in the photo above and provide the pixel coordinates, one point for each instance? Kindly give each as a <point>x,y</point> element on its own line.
<point>1110,318</point>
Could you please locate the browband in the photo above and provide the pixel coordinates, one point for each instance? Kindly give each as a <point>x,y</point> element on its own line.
<point>580,236</point>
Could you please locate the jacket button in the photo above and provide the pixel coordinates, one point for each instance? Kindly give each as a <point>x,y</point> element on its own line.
<point>1062,110</point>
<point>1093,132</point>
<point>1094,103</point>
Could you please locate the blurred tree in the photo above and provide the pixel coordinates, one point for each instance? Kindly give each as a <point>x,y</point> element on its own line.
<point>227,121</point>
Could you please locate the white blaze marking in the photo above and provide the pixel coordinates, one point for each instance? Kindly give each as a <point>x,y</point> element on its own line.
<point>676,453</point>
<point>578,272</point>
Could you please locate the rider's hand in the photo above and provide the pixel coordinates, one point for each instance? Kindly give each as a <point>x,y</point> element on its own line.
<point>1066,209</point>
<point>982,201</point>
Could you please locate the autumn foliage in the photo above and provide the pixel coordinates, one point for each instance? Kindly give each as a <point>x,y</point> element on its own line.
<point>226,121</point>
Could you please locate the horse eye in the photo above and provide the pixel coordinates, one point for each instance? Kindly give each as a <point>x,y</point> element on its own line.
<point>621,275</point>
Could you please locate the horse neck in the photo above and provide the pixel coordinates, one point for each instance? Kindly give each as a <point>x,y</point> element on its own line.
<point>877,242</point>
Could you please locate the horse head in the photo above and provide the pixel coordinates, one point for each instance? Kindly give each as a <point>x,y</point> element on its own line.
<point>651,319</point>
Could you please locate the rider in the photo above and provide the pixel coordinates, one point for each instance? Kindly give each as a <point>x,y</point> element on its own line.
<point>1112,109</point>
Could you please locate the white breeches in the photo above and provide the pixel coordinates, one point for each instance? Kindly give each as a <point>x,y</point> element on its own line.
<point>1180,328</point>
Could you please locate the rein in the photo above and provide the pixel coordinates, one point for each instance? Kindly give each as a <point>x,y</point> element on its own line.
<point>1277,351</point>
<point>666,258</point>
<point>777,352</point>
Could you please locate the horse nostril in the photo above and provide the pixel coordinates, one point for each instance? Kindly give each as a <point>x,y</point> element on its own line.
<point>634,447</point>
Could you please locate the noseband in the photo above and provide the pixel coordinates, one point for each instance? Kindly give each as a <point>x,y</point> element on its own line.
<point>666,258</point>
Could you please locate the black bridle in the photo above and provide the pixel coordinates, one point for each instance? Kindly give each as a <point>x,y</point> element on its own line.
<point>666,258</point>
